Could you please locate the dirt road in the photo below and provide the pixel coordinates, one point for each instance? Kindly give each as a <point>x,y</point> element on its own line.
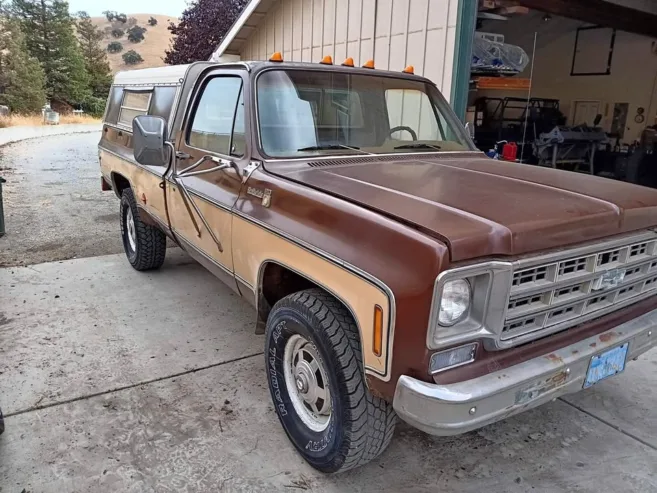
<point>54,208</point>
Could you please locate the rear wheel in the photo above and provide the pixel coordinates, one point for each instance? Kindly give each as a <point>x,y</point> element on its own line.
<point>144,244</point>
<point>316,379</point>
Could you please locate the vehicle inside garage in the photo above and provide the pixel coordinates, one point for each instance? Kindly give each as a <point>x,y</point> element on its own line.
<point>567,84</point>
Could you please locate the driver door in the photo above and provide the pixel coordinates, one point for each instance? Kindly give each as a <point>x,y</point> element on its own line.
<point>200,198</point>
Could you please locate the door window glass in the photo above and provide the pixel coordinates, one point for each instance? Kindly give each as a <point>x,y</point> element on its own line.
<point>220,108</point>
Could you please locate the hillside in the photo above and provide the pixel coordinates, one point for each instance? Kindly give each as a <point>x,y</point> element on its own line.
<point>151,49</point>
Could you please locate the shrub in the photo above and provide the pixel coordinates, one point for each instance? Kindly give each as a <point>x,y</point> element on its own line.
<point>110,14</point>
<point>118,33</point>
<point>122,18</point>
<point>132,57</point>
<point>93,106</point>
<point>152,21</point>
<point>114,47</point>
<point>136,34</point>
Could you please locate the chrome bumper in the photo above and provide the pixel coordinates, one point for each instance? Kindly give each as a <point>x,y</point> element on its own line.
<point>464,406</point>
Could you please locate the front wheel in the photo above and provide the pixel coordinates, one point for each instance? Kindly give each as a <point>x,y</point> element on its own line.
<point>316,379</point>
<point>144,244</point>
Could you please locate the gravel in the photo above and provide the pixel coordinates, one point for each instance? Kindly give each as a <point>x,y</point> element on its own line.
<point>54,207</point>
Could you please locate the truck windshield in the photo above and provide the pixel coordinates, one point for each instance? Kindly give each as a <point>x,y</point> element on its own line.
<point>309,113</point>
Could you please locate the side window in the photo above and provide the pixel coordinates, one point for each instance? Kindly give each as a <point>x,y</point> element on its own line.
<point>162,103</point>
<point>219,110</point>
<point>134,104</point>
<point>114,105</point>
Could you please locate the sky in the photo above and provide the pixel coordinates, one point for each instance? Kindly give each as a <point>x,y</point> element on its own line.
<point>95,8</point>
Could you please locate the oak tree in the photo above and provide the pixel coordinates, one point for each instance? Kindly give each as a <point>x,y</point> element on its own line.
<point>202,27</point>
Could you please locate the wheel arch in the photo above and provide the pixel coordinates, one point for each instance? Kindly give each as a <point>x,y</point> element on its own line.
<point>268,291</point>
<point>119,183</point>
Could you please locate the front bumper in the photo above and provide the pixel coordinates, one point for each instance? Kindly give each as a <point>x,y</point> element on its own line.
<point>464,406</point>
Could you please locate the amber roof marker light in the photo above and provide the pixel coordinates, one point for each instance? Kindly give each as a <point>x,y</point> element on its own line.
<point>409,70</point>
<point>369,64</point>
<point>349,62</point>
<point>276,57</point>
<point>327,60</point>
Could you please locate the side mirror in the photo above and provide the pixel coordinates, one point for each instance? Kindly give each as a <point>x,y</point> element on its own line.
<point>149,137</point>
<point>469,128</point>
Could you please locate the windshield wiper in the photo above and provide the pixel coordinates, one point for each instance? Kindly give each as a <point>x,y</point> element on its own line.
<point>418,146</point>
<point>332,147</point>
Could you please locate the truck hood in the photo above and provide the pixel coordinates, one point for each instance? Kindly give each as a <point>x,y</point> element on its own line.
<point>481,207</point>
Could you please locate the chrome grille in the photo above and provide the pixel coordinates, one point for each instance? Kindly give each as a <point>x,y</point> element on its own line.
<point>558,291</point>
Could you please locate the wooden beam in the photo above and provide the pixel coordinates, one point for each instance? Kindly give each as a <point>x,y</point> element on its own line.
<point>600,13</point>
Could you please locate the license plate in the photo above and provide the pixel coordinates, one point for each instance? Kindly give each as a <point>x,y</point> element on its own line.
<point>606,365</point>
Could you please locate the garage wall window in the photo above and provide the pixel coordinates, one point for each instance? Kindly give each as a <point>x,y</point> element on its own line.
<point>134,104</point>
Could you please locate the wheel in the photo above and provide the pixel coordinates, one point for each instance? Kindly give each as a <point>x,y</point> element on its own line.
<point>144,245</point>
<point>317,383</point>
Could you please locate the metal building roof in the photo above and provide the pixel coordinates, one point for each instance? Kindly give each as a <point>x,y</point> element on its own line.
<point>242,28</point>
<point>160,75</point>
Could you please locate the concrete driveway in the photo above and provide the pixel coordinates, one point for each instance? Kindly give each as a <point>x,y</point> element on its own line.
<point>113,380</point>
<point>118,381</point>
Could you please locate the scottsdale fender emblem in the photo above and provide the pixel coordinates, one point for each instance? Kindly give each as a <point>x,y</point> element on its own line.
<point>265,195</point>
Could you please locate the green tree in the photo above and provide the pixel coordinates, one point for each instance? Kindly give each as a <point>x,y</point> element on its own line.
<point>95,57</point>
<point>114,47</point>
<point>132,57</point>
<point>152,21</point>
<point>118,33</point>
<point>50,38</point>
<point>136,34</point>
<point>21,77</point>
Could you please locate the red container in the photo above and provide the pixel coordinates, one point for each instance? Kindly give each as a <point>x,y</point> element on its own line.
<point>510,152</point>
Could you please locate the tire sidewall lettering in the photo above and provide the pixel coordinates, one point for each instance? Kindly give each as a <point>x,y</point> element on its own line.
<point>321,446</point>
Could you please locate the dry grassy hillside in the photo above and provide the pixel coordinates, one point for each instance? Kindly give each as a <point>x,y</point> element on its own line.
<point>156,40</point>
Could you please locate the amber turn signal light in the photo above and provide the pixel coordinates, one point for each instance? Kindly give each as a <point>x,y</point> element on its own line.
<point>369,64</point>
<point>349,62</point>
<point>276,57</point>
<point>409,70</point>
<point>377,342</point>
<point>327,60</point>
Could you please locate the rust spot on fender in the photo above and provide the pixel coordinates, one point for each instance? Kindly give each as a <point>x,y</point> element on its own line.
<point>608,336</point>
<point>593,344</point>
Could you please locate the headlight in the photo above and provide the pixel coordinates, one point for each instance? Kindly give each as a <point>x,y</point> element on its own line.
<point>454,302</point>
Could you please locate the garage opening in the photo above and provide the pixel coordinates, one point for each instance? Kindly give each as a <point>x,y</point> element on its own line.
<point>567,84</point>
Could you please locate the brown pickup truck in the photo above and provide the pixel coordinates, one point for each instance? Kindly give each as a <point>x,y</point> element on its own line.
<point>394,269</point>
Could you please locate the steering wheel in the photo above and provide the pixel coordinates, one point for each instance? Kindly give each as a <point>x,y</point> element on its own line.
<point>404,127</point>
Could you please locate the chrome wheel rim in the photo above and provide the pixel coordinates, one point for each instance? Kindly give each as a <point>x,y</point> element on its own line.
<point>130,226</point>
<point>306,382</point>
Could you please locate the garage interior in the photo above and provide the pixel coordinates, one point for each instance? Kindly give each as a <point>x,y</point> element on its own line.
<point>569,84</point>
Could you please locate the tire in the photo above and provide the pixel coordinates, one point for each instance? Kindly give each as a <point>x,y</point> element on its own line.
<point>144,245</point>
<point>359,426</point>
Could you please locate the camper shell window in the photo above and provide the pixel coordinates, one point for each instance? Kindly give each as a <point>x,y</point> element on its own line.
<point>134,104</point>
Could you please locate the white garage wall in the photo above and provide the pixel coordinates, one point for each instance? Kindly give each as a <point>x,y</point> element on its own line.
<point>395,33</point>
